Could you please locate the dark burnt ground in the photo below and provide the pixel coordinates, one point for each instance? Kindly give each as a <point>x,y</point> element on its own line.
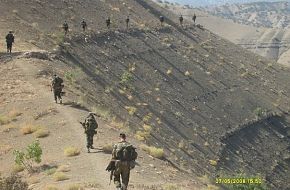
<point>190,113</point>
<point>195,89</point>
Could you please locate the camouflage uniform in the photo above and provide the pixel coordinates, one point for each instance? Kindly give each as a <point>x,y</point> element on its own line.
<point>84,25</point>
<point>65,27</point>
<point>90,130</point>
<point>108,22</point>
<point>122,167</point>
<point>9,41</point>
<point>57,88</point>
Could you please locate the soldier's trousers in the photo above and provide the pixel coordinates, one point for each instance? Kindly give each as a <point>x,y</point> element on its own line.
<point>90,140</point>
<point>57,94</point>
<point>122,171</point>
<point>9,47</point>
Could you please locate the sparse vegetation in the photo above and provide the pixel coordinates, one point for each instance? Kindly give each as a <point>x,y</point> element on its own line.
<point>127,79</point>
<point>13,182</point>
<point>102,112</point>
<point>170,187</point>
<point>60,176</point>
<point>50,171</point>
<point>4,120</point>
<point>51,187</point>
<point>75,187</point>
<point>41,133</point>
<point>259,112</point>
<point>71,151</point>
<point>30,157</point>
<point>247,186</point>
<point>153,151</point>
<point>17,168</point>
<point>108,148</point>
<point>28,129</point>
<point>131,110</point>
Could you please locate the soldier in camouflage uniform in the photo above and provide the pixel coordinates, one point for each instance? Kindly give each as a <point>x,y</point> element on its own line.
<point>122,167</point>
<point>90,125</point>
<point>56,87</point>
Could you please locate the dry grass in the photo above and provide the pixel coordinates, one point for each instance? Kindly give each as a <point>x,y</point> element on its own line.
<point>14,113</point>
<point>17,168</point>
<point>142,135</point>
<point>71,151</point>
<point>170,187</point>
<point>108,148</point>
<point>28,129</point>
<point>76,187</point>
<point>51,187</point>
<point>41,133</point>
<point>60,176</point>
<point>4,120</point>
<point>153,151</point>
<point>131,110</point>
<point>50,171</point>
<point>63,168</point>
<point>33,180</point>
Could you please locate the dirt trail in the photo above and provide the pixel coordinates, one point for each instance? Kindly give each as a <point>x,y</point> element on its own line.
<point>65,131</point>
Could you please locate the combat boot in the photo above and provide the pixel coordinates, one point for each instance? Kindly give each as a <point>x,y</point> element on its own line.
<point>89,150</point>
<point>60,101</point>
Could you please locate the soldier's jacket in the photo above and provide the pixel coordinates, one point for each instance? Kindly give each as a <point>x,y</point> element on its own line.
<point>57,83</point>
<point>117,147</point>
<point>90,124</point>
<point>10,38</point>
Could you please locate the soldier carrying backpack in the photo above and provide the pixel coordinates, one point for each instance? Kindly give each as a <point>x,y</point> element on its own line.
<point>56,87</point>
<point>9,41</point>
<point>123,160</point>
<point>90,125</point>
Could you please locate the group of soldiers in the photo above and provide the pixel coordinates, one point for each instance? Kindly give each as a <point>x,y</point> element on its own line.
<point>127,21</point>
<point>123,153</point>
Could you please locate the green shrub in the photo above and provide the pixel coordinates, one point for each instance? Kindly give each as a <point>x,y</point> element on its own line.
<point>27,159</point>
<point>153,151</point>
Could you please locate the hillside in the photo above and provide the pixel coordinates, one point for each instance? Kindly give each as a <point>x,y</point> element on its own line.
<point>228,21</point>
<point>200,95</point>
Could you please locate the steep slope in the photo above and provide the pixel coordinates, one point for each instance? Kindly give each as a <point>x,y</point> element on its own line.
<point>197,91</point>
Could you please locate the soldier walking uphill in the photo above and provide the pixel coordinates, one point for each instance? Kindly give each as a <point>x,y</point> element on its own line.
<point>90,125</point>
<point>123,160</point>
<point>65,27</point>
<point>9,41</point>
<point>181,20</point>
<point>56,87</point>
<point>194,18</point>
<point>84,25</point>
<point>108,22</point>
<point>127,22</point>
<point>161,19</point>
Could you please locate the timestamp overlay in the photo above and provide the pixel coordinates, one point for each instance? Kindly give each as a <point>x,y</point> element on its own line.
<point>238,180</point>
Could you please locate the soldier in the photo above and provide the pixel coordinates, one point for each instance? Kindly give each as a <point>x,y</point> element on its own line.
<point>56,87</point>
<point>127,22</point>
<point>84,25</point>
<point>124,156</point>
<point>194,18</point>
<point>161,18</point>
<point>108,22</point>
<point>65,27</point>
<point>181,20</point>
<point>9,41</point>
<point>90,125</point>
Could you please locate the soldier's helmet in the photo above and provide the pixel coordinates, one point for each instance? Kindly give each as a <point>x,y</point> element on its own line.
<point>122,135</point>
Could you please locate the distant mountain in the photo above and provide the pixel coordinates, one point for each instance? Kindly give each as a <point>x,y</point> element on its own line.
<point>259,14</point>
<point>197,3</point>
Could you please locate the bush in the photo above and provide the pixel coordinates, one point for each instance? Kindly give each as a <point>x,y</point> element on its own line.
<point>50,171</point>
<point>41,133</point>
<point>60,176</point>
<point>28,129</point>
<point>27,159</point>
<point>170,187</point>
<point>259,112</point>
<point>17,168</point>
<point>4,120</point>
<point>13,182</point>
<point>50,187</point>
<point>71,151</point>
<point>153,151</point>
<point>76,187</point>
<point>142,135</point>
<point>63,168</point>
<point>108,148</point>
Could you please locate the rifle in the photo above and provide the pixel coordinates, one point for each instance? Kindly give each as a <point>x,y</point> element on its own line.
<point>111,168</point>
